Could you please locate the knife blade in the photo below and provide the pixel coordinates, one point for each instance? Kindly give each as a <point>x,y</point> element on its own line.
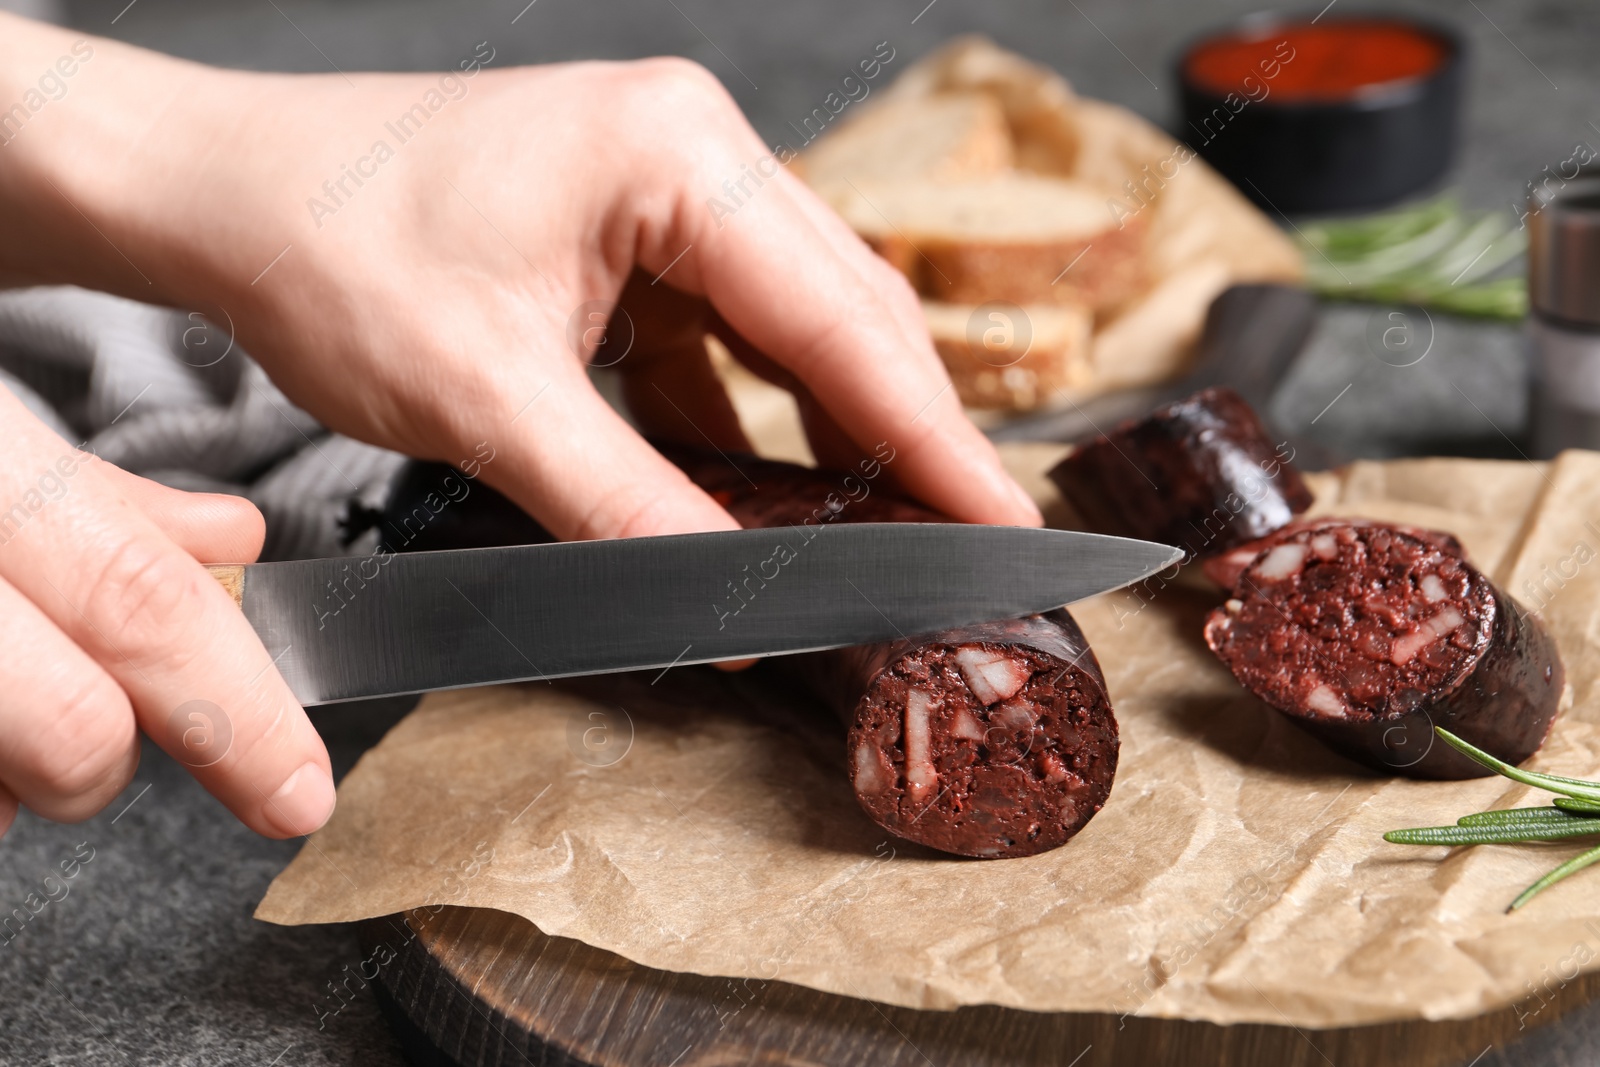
<point>346,629</point>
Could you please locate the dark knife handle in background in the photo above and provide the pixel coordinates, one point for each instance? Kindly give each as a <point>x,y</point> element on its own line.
<point>1252,336</point>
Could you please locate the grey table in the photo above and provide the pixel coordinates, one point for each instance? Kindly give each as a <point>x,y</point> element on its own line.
<point>153,956</point>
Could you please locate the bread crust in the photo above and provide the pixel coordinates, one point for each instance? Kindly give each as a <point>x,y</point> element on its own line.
<point>1103,271</point>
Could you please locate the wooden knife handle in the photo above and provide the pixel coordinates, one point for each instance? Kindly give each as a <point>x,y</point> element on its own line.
<point>231,577</point>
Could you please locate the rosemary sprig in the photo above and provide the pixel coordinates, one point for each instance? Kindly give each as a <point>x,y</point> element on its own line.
<point>1434,254</point>
<point>1574,813</point>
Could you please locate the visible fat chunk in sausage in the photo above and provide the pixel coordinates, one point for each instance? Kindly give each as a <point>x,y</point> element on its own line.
<point>1279,563</point>
<point>1324,701</point>
<point>1016,716</point>
<point>992,676</point>
<point>1446,622</point>
<point>921,776</point>
<point>1405,647</point>
<point>965,724</point>
<point>869,777</point>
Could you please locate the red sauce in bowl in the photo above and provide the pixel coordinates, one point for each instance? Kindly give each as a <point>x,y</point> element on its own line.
<point>1301,62</point>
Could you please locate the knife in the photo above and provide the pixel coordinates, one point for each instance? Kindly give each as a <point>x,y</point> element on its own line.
<point>392,623</point>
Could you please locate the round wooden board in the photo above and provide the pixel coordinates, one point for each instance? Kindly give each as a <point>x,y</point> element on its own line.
<point>486,987</point>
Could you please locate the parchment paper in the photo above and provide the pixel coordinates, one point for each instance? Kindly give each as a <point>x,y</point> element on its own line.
<point>703,823</point>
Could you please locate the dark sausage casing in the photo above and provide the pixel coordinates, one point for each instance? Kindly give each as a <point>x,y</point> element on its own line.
<point>1200,473</point>
<point>994,740</point>
<point>1369,636</point>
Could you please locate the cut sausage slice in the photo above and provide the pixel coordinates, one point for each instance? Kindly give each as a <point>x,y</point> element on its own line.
<point>1370,647</point>
<point>1037,768</point>
<point>1201,473</point>
<point>993,740</point>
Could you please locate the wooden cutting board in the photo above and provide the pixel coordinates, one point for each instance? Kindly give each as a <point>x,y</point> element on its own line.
<point>475,986</point>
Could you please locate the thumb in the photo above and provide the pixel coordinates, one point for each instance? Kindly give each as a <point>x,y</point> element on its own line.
<point>211,527</point>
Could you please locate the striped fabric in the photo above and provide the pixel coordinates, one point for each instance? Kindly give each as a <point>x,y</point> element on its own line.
<point>168,396</point>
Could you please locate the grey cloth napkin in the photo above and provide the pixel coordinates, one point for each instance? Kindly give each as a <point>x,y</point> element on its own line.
<point>169,396</point>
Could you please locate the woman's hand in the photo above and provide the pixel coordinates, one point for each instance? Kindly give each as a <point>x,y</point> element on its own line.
<point>110,625</point>
<point>422,261</point>
<point>442,247</point>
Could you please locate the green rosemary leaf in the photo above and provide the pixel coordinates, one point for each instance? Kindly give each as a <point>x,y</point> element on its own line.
<point>1575,813</point>
<point>1501,250</point>
<point>1502,834</point>
<point>1572,787</point>
<point>1346,239</point>
<point>1519,817</point>
<point>1503,298</point>
<point>1574,781</point>
<point>1572,866</point>
<point>1436,254</point>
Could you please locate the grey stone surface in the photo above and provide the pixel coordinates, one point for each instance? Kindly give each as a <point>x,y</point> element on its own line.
<point>149,955</point>
<point>152,956</point>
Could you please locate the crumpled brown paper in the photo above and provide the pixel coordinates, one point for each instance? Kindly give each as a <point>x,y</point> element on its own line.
<point>704,823</point>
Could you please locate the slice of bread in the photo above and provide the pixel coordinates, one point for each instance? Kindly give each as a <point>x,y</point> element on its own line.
<point>1027,239</point>
<point>1039,106</point>
<point>1012,358</point>
<point>942,137</point>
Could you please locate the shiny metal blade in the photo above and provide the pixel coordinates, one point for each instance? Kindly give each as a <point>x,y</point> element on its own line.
<point>343,629</point>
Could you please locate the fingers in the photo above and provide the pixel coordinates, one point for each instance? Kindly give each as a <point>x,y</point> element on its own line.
<point>68,742</point>
<point>833,317</point>
<point>575,465</point>
<point>211,527</point>
<point>904,303</point>
<point>581,470</point>
<point>149,616</point>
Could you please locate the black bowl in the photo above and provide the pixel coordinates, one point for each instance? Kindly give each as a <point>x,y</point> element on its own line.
<point>1367,149</point>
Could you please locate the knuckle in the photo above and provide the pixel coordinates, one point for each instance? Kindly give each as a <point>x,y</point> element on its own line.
<point>138,604</point>
<point>85,758</point>
<point>679,75</point>
<point>670,88</point>
<point>822,341</point>
<point>895,286</point>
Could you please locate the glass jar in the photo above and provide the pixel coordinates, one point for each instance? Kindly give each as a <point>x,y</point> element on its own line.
<point>1564,316</point>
